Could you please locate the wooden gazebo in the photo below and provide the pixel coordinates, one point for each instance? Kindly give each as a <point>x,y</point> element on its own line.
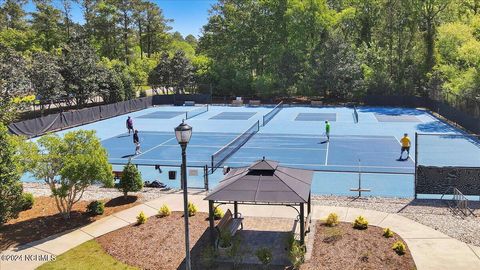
<point>264,183</point>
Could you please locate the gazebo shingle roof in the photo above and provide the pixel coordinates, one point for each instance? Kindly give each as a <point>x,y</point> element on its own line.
<point>264,182</point>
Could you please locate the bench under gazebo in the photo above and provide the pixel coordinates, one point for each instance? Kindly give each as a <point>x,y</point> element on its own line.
<point>262,183</point>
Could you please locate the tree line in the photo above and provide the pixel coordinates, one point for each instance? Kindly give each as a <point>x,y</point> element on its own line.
<point>343,49</point>
<point>47,58</point>
<point>336,49</point>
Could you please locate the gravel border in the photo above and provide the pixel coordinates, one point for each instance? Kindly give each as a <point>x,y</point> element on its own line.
<point>433,213</point>
<point>99,193</point>
<point>430,212</point>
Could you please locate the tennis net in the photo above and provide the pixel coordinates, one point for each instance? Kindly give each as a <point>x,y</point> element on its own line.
<point>267,117</point>
<point>355,114</point>
<point>221,155</point>
<point>196,112</point>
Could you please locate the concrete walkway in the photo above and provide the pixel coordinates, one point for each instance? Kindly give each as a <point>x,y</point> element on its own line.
<point>430,248</point>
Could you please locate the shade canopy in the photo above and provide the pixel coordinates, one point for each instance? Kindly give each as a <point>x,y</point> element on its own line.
<point>264,182</point>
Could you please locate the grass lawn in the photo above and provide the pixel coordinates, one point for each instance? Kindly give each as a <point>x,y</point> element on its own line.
<point>89,255</point>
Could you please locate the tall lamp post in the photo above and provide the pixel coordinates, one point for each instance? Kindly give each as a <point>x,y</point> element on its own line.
<point>183,133</point>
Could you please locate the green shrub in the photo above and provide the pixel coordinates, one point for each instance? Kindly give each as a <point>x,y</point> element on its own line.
<point>387,233</point>
<point>399,247</point>
<point>96,208</point>
<point>27,201</point>
<point>218,213</point>
<point>192,209</point>
<point>360,223</point>
<point>131,180</point>
<point>225,239</point>
<point>332,220</point>
<point>290,240</point>
<point>264,255</point>
<point>141,218</point>
<point>143,93</point>
<point>164,211</point>
<point>296,254</point>
<point>209,257</point>
<point>237,252</point>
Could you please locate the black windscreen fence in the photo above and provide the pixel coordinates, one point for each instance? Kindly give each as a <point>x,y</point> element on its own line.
<point>179,100</point>
<point>162,99</point>
<point>53,122</point>
<point>37,126</point>
<point>439,180</point>
<point>88,115</point>
<point>396,101</point>
<point>466,120</point>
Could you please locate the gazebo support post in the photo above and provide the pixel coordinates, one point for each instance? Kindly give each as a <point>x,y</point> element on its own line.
<point>212,224</point>
<point>309,205</point>
<point>302,224</point>
<point>235,209</point>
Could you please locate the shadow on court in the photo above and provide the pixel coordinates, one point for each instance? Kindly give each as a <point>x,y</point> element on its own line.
<point>390,111</point>
<point>436,127</point>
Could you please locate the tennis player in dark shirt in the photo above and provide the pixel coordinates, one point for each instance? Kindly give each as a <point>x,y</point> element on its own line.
<point>136,141</point>
<point>129,124</point>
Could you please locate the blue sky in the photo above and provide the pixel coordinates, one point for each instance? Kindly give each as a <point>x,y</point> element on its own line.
<point>189,15</point>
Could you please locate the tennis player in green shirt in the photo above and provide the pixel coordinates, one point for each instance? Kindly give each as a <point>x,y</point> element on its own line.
<point>327,130</point>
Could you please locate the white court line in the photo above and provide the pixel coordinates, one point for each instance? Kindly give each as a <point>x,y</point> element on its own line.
<point>283,148</point>
<point>331,165</point>
<point>153,148</point>
<point>196,146</point>
<point>293,164</point>
<point>201,134</point>
<point>315,136</point>
<point>244,163</point>
<point>171,160</point>
<point>326,154</point>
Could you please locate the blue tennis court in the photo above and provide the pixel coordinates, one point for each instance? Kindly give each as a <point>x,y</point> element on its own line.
<point>396,118</point>
<point>316,117</point>
<point>341,153</point>
<point>233,116</point>
<point>295,137</point>
<point>162,115</point>
<point>161,148</point>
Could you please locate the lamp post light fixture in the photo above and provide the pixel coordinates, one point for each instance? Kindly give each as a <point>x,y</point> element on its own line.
<point>183,133</point>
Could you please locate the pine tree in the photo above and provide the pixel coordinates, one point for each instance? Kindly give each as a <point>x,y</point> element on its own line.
<point>131,180</point>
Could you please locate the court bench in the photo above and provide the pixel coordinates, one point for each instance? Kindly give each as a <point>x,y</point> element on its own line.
<point>237,103</point>
<point>254,102</point>
<point>229,223</point>
<point>189,103</point>
<point>315,103</point>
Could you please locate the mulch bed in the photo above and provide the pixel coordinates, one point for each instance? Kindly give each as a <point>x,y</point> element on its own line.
<point>43,220</point>
<point>159,243</point>
<point>343,247</point>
